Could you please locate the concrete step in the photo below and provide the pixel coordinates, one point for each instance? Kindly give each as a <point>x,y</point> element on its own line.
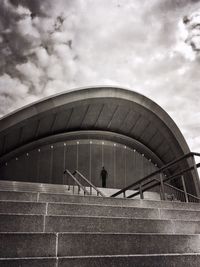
<point>33,187</point>
<point>100,210</point>
<point>22,245</point>
<point>180,214</point>
<point>87,199</point>
<point>43,197</point>
<point>30,262</point>
<point>85,244</point>
<point>22,207</point>
<point>18,196</point>
<point>119,225</point>
<point>64,189</point>
<point>57,230</point>
<point>120,211</point>
<point>21,223</point>
<point>147,195</point>
<point>166,260</point>
<point>106,224</point>
<point>37,208</point>
<point>158,260</point>
<point>117,201</point>
<point>39,223</point>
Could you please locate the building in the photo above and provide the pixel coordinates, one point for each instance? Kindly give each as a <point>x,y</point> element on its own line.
<point>86,129</point>
<point>45,223</point>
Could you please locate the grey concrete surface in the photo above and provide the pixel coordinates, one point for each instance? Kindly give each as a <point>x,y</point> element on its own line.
<point>60,197</point>
<point>103,224</point>
<point>33,187</point>
<point>118,244</point>
<point>79,199</point>
<point>170,205</point>
<point>29,262</point>
<point>118,201</point>
<point>39,223</point>
<point>21,207</point>
<point>22,245</point>
<point>119,225</point>
<point>132,261</point>
<point>100,210</point>
<point>66,234</point>
<point>21,223</point>
<point>23,196</point>
<point>179,214</point>
<point>186,227</point>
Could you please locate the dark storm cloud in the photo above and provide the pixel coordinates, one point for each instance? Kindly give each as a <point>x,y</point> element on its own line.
<point>36,50</point>
<point>192,27</point>
<point>37,7</point>
<point>12,43</point>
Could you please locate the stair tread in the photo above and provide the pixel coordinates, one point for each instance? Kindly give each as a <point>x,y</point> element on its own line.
<point>100,217</point>
<point>92,204</point>
<point>109,256</point>
<point>96,233</point>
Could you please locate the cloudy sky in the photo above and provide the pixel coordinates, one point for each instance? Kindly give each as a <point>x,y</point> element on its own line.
<point>152,47</point>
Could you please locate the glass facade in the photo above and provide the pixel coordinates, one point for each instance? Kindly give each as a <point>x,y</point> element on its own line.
<point>46,164</point>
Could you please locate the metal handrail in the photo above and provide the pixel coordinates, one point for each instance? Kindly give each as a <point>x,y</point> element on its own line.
<point>91,184</point>
<point>142,183</point>
<point>77,182</point>
<point>153,173</point>
<point>182,191</point>
<point>165,180</point>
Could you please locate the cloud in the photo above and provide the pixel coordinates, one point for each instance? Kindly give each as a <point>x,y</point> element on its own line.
<point>148,46</point>
<point>192,26</point>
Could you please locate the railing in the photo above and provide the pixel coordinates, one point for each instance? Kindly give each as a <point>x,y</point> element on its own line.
<point>176,194</point>
<point>76,181</point>
<point>150,182</point>
<point>91,186</point>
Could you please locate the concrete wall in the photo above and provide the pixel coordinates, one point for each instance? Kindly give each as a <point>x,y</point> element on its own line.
<point>46,164</point>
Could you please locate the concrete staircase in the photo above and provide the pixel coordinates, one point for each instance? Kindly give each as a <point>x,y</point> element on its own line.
<point>59,230</point>
<point>65,189</point>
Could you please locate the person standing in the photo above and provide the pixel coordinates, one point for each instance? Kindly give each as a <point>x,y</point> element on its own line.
<point>104,175</point>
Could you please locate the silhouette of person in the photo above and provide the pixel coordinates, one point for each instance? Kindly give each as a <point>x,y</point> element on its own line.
<point>104,174</point>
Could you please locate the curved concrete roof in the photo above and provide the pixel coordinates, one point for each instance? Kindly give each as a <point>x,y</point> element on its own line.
<point>108,109</point>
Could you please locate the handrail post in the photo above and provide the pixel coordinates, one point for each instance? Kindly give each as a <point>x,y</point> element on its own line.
<point>141,192</point>
<point>184,188</point>
<point>124,194</point>
<point>90,184</point>
<point>65,180</point>
<point>162,188</point>
<point>84,190</point>
<point>76,182</point>
<point>196,178</point>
